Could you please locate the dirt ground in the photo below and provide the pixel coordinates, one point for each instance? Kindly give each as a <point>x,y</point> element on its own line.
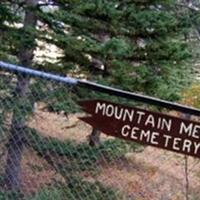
<point>152,174</point>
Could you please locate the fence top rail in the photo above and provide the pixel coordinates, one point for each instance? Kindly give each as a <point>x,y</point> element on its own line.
<point>102,88</point>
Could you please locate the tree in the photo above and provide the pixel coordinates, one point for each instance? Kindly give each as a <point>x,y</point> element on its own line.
<point>25,57</point>
<point>137,48</point>
<point>134,45</point>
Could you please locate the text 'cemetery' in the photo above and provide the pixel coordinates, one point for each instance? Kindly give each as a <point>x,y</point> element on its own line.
<point>151,128</point>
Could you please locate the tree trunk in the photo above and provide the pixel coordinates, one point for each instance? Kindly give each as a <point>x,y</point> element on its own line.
<point>16,141</point>
<point>94,137</point>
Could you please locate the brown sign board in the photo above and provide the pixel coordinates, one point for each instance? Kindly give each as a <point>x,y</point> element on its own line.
<point>145,127</point>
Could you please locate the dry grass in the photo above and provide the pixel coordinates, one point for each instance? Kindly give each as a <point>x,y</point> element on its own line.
<point>60,127</point>
<point>36,173</point>
<point>153,174</point>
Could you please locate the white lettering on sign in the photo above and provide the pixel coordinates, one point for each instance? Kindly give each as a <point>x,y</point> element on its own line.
<point>118,113</point>
<point>110,110</point>
<point>154,138</point>
<point>187,145</point>
<point>139,117</point>
<point>156,129</point>
<point>145,135</point>
<point>128,115</point>
<point>167,139</point>
<point>190,130</point>
<point>176,144</point>
<point>125,130</point>
<point>150,121</point>
<point>151,137</point>
<point>124,114</point>
<point>114,111</point>
<point>99,107</point>
<point>136,133</point>
<point>166,124</point>
<point>185,129</point>
<point>196,146</point>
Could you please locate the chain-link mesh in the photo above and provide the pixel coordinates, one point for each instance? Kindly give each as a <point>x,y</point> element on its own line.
<point>48,153</point>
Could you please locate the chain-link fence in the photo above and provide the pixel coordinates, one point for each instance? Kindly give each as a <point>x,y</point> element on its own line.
<point>48,153</point>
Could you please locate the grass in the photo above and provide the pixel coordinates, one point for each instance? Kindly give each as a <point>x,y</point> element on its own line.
<point>69,156</point>
<point>78,189</point>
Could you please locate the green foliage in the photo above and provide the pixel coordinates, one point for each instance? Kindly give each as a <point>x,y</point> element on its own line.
<point>116,47</point>
<point>10,195</point>
<point>119,34</point>
<point>50,194</point>
<point>82,156</point>
<point>57,97</point>
<point>76,188</point>
<point>191,96</point>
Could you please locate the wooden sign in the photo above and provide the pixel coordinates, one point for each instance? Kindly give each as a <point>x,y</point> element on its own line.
<point>145,127</point>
